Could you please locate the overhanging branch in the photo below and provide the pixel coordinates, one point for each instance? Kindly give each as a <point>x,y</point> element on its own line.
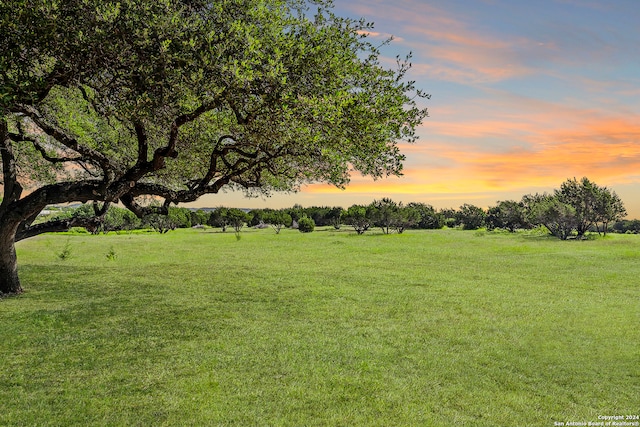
<point>59,225</point>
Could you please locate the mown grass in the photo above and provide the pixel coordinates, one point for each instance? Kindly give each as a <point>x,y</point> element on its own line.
<point>322,329</point>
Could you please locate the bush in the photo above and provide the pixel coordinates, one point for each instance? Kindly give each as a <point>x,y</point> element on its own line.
<point>306,224</point>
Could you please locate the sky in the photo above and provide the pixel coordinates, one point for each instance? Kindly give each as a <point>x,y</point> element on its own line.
<point>524,95</point>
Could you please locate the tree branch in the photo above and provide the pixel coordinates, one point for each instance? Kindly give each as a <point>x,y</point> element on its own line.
<point>143,143</point>
<point>62,192</point>
<point>87,153</point>
<point>169,149</point>
<point>143,166</point>
<point>59,225</point>
<point>128,200</point>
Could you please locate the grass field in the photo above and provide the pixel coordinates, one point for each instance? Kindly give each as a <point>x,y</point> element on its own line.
<point>197,328</point>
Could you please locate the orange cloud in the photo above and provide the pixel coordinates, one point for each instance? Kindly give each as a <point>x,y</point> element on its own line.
<point>525,150</point>
<point>602,148</point>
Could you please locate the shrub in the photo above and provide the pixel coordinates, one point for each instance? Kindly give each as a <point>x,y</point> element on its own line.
<point>306,224</point>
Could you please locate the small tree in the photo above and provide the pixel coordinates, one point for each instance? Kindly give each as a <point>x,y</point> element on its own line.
<point>359,217</point>
<point>429,218</point>
<point>576,207</point>
<point>407,217</point>
<point>160,223</point>
<point>385,214</point>
<point>237,218</point>
<point>609,208</point>
<point>334,217</point>
<point>450,217</point>
<point>219,218</point>
<point>582,196</point>
<point>558,217</point>
<point>627,226</point>
<point>278,220</point>
<point>317,214</point>
<point>180,217</point>
<point>296,212</point>
<point>199,217</point>
<point>258,216</point>
<point>117,219</point>
<point>509,215</point>
<point>471,217</point>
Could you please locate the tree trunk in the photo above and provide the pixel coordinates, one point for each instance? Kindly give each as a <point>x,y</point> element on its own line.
<point>9,281</point>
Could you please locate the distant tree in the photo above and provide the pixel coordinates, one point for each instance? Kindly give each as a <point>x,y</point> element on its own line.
<point>609,208</point>
<point>257,216</point>
<point>296,212</point>
<point>180,217</point>
<point>158,222</point>
<point>199,217</point>
<point>509,215</point>
<point>429,218</point>
<point>359,217</point>
<point>392,216</point>
<point>627,226</point>
<point>558,217</point>
<point>385,214</point>
<point>219,218</point>
<point>582,196</point>
<point>278,220</point>
<point>317,214</point>
<point>117,219</point>
<point>407,217</point>
<point>450,217</point>
<point>175,218</point>
<point>334,217</point>
<point>589,205</point>
<point>471,217</point>
<point>237,218</point>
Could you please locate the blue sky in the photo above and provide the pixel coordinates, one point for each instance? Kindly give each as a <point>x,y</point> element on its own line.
<point>524,95</point>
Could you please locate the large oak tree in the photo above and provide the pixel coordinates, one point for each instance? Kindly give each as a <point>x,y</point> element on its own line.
<point>121,101</point>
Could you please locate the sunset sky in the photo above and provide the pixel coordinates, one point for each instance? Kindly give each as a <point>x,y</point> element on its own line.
<point>525,94</point>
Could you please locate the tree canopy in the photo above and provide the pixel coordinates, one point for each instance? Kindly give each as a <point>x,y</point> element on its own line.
<point>118,101</point>
<point>576,207</point>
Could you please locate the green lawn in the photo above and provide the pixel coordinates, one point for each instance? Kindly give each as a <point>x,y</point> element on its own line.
<point>441,328</point>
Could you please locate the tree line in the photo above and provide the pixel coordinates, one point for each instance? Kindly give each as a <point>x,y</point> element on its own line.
<point>577,207</point>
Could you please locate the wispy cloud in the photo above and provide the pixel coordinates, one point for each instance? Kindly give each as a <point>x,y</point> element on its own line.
<point>448,48</point>
<point>451,45</point>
